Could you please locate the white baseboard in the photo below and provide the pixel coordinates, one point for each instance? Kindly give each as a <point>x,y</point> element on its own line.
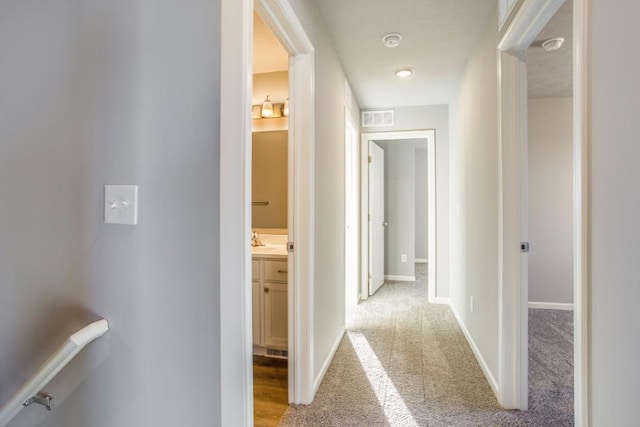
<point>551,305</point>
<point>443,300</point>
<point>327,362</point>
<point>422,261</point>
<point>483,364</point>
<point>400,278</point>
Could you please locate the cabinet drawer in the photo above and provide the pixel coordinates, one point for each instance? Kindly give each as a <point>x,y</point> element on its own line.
<point>255,269</point>
<point>275,270</point>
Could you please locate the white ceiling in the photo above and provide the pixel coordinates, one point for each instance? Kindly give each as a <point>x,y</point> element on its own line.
<point>268,53</point>
<point>437,37</point>
<point>550,74</point>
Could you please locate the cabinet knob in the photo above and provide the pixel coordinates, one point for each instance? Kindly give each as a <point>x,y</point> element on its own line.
<point>282,271</point>
<point>266,290</point>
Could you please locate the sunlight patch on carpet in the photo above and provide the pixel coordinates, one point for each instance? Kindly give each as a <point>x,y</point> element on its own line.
<point>395,409</point>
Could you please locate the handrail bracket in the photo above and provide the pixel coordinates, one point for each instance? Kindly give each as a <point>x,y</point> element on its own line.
<point>42,398</point>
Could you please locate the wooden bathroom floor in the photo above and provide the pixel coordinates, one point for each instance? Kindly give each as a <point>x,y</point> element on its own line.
<point>269,391</point>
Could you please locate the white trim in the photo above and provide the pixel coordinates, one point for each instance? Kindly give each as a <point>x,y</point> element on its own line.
<point>551,305</point>
<point>399,278</point>
<point>421,261</point>
<point>429,135</point>
<point>443,300</point>
<point>327,362</point>
<point>531,18</point>
<point>581,219</point>
<point>483,363</point>
<point>235,215</point>
<point>350,126</point>
<point>236,403</point>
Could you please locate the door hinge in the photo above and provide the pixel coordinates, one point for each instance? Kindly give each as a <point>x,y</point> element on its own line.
<point>369,159</point>
<point>289,246</point>
<point>524,247</point>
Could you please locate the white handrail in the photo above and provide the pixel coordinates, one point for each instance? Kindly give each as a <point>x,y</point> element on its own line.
<point>50,368</point>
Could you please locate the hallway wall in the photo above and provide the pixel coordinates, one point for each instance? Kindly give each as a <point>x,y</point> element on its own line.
<point>422,203</point>
<point>474,198</point>
<point>98,93</point>
<point>615,203</point>
<point>551,200</point>
<point>422,118</point>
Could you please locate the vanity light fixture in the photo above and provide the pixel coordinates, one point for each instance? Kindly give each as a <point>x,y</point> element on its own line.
<point>404,73</point>
<point>267,108</point>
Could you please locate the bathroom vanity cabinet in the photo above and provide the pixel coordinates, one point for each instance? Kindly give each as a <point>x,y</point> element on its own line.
<point>270,305</point>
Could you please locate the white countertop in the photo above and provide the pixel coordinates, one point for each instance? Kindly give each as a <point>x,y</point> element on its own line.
<point>275,246</point>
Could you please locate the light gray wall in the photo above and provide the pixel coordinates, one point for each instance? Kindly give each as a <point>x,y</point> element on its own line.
<point>399,206</point>
<point>474,197</point>
<point>329,294</point>
<point>422,203</point>
<point>269,179</point>
<point>432,117</point>
<point>614,289</point>
<point>551,200</point>
<point>112,92</point>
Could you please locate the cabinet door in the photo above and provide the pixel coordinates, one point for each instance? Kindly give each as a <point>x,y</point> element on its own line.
<point>256,313</point>
<point>275,315</point>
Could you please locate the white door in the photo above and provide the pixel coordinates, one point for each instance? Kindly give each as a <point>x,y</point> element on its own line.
<point>376,221</point>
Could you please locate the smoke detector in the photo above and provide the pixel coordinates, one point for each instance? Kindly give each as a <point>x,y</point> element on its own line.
<point>392,40</point>
<point>553,44</point>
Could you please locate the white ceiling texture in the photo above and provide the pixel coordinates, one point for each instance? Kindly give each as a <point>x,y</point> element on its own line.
<point>437,37</point>
<point>550,74</point>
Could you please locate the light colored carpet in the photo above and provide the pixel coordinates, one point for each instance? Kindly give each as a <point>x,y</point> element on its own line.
<point>405,362</point>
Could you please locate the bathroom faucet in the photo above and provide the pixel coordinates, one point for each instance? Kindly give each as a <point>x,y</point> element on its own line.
<point>255,239</point>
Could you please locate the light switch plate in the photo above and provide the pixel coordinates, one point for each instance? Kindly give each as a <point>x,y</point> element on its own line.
<point>121,204</point>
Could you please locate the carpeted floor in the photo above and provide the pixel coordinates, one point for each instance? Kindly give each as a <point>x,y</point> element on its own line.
<point>405,362</point>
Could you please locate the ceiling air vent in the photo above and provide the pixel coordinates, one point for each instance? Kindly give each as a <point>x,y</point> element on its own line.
<point>372,119</point>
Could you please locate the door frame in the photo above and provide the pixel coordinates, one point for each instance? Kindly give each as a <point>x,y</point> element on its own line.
<point>532,16</point>
<point>430,136</point>
<point>354,168</point>
<point>236,356</point>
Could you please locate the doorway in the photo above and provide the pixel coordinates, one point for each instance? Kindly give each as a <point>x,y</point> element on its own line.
<point>532,16</point>
<point>235,204</point>
<point>269,225</point>
<point>369,246</point>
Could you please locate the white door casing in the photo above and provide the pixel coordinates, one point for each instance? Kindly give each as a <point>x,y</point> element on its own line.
<point>376,222</point>
<point>351,212</point>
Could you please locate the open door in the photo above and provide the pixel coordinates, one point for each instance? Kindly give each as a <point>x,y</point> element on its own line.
<point>376,220</point>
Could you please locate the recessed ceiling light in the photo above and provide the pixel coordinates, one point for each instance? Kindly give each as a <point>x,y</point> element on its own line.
<point>553,44</point>
<point>392,40</point>
<point>404,73</point>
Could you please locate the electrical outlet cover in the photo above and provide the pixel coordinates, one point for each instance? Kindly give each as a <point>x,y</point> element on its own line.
<point>121,204</point>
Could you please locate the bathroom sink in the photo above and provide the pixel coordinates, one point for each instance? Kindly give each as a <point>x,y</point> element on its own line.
<point>269,250</point>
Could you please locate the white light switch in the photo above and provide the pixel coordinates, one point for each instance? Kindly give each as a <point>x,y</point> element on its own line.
<point>121,204</point>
